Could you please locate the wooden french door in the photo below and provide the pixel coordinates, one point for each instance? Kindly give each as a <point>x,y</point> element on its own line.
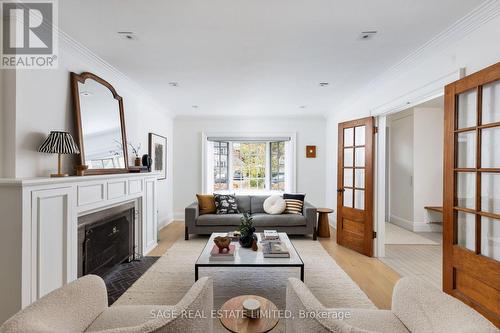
<point>355,185</point>
<point>471,239</point>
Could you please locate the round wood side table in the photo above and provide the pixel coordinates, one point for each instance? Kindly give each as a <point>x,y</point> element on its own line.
<point>237,323</point>
<point>323,223</point>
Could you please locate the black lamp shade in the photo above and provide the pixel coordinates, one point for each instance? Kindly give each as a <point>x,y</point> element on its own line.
<point>59,143</point>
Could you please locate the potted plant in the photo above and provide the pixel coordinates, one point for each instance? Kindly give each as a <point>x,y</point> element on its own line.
<point>247,231</point>
<point>135,151</point>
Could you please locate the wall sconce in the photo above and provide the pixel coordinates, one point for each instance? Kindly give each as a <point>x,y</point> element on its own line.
<point>311,151</point>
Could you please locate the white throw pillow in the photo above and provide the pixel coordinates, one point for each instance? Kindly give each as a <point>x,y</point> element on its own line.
<point>274,205</point>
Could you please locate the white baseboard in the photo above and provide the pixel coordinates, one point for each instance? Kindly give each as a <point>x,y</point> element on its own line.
<point>165,223</point>
<point>403,223</point>
<point>179,216</point>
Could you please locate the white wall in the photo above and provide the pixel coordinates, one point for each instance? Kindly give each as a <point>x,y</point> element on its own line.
<point>428,138</point>
<point>401,153</point>
<point>472,48</point>
<point>43,103</point>
<point>310,172</point>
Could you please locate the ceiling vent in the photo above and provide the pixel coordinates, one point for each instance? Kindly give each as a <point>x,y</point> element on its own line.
<point>324,84</point>
<point>128,35</point>
<point>365,35</point>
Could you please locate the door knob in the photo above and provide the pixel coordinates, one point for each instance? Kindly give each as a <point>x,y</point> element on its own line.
<point>340,190</point>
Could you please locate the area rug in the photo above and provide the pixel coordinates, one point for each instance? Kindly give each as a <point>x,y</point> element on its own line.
<point>396,235</point>
<point>172,275</point>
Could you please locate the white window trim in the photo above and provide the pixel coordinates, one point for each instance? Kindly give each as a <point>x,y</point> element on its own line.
<point>290,156</point>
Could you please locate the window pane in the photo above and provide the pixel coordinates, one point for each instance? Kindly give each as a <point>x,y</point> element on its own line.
<point>277,166</point>
<point>360,135</point>
<point>349,137</point>
<point>467,109</point>
<point>466,230</point>
<point>348,197</point>
<point>490,193</point>
<point>491,102</point>
<point>348,157</point>
<point>359,178</point>
<point>466,147</point>
<point>220,166</point>
<point>466,190</point>
<point>360,157</point>
<point>348,180</point>
<point>249,165</point>
<point>359,199</point>
<point>490,147</point>
<point>490,238</point>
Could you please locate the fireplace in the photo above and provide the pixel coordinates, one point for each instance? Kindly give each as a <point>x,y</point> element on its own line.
<point>105,239</point>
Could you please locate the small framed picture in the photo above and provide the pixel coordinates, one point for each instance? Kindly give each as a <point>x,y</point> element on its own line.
<point>311,151</point>
<point>158,153</point>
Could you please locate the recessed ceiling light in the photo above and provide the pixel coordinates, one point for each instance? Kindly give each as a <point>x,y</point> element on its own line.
<point>365,35</point>
<point>324,84</point>
<point>195,106</point>
<point>173,84</point>
<point>128,35</point>
<point>85,93</point>
<point>303,106</point>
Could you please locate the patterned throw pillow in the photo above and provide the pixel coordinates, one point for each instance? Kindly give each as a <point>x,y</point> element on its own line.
<point>226,204</point>
<point>294,203</point>
<point>293,206</point>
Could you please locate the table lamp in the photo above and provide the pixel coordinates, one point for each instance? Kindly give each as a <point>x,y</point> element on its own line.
<point>59,143</point>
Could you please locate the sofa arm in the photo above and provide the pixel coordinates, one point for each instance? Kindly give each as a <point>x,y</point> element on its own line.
<point>191,214</point>
<point>421,307</point>
<point>310,212</point>
<point>71,308</point>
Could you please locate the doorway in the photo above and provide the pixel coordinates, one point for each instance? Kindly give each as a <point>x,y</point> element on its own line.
<point>414,191</point>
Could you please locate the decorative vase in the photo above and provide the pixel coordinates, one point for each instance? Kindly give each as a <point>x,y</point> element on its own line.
<point>247,240</point>
<point>137,161</point>
<point>147,161</point>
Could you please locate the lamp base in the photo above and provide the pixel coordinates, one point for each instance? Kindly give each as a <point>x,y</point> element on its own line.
<point>56,175</point>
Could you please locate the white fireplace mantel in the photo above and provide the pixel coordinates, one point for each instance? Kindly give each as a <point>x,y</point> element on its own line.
<point>39,225</point>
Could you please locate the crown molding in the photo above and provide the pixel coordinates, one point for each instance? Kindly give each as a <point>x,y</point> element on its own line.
<point>475,19</point>
<point>68,43</point>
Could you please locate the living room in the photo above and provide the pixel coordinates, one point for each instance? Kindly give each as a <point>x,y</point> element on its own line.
<point>214,167</point>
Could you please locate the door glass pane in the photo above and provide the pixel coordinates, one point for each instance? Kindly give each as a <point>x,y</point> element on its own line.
<point>348,181</point>
<point>348,197</point>
<point>359,178</point>
<point>466,149</point>
<point>359,199</point>
<point>360,136</point>
<point>467,109</point>
<point>349,137</point>
<point>348,157</point>
<point>466,190</point>
<point>360,157</point>
<point>491,102</point>
<point>466,230</point>
<point>490,193</point>
<point>490,238</point>
<point>490,147</point>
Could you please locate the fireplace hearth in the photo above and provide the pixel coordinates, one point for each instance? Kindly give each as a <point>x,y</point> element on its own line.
<point>105,239</point>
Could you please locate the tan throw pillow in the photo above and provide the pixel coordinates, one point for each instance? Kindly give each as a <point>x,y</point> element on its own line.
<point>293,206</point>
<point>206,203</point>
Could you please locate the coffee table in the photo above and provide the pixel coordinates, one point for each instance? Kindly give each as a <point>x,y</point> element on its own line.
<point>248,258</point>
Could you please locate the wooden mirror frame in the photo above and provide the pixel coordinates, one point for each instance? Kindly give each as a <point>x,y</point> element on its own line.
<point>75,79</point>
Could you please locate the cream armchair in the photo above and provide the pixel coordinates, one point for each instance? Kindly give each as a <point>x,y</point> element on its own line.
<point>82,306</point>
<point>417,307</point>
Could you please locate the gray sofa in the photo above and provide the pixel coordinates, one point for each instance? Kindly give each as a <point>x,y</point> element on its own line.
<point>292,224</point>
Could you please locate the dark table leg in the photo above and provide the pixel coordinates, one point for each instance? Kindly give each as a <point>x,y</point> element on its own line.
<point>195,273</point>
<point>302,273</point>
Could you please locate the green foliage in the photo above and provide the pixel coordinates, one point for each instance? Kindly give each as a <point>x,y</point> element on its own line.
<point>246,225</point>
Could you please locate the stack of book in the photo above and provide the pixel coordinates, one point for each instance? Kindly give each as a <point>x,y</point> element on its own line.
<point>275,249</point>
<point>270,235</point>
<point>226,255</point>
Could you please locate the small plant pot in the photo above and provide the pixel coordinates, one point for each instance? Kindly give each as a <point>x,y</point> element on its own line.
<point>246,241</point>
<point>137,161</point>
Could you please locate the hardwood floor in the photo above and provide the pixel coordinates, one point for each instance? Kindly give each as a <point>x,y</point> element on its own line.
<point>374,277</point>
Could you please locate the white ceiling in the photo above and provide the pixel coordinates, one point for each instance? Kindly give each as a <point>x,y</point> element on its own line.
<point>255,57</point>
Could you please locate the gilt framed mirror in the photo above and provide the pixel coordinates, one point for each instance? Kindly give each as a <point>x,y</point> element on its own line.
<point>100,125</point>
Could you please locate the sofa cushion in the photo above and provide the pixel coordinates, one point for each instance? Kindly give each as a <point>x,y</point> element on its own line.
<point>243,203</point>
<point>226,204</point>
<point>283,220</point>
<point>206,203</point>
<point>258,203</point>
<point>219,219</point>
